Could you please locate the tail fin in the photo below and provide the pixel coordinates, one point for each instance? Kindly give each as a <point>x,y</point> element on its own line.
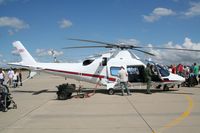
<point>27,59</point>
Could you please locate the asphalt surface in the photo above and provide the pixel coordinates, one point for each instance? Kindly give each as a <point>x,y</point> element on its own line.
<point>175,111</point>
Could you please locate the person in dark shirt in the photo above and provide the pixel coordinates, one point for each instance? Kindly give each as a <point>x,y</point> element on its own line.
<point>147,77</point>
<point>20,77</point>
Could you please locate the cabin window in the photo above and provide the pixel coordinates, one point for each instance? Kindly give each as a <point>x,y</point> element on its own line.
<point>114,71</point>
<point>104,61</point>
<point>135,73</point>
<point>87,62</point>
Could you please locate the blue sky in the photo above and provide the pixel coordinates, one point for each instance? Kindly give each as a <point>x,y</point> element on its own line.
<point>42,25</point>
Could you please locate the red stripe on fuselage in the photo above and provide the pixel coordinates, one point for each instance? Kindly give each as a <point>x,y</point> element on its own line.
<point>82,74</point>
<point>171,81</point>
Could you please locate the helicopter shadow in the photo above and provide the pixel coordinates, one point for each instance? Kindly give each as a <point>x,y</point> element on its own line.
<point>143,91</point>
<point>105,92</point>
<point>33,92</point>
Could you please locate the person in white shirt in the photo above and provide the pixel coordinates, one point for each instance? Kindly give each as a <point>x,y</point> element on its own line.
<point>10,77</point>
<point>2,76</point>
<point>123,76</point>
<point>15,79</point>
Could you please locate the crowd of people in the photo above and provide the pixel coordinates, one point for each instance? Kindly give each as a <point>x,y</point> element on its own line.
<point>186,71</point>
<point>14,77</point>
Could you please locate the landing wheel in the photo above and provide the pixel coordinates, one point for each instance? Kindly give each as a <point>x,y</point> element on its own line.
<point>62,95</point>
<point>166,88</point>
<point>158,87</point>
<point>111,91</point>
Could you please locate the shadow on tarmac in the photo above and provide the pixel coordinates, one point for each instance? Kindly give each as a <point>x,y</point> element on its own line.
<point>104,91</point>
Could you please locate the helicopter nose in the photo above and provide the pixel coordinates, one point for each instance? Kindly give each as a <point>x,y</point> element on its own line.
<point>176,77</point>
<point>180,78</point>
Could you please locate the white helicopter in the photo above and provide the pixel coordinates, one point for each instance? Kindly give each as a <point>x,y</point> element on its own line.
<point>101,70</point>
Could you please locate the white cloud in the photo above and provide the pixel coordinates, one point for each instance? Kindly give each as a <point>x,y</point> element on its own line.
<point>170,56</point>
<point>41,52</point>
<point>194,10</point>
<point>65,23</point>
<point>44,52</point>
<point>176,57</point>
<point>15,24</point>
<point>2,2</point>
<point>157,14</point>
<point>55,53</point>
<point>129,41</point>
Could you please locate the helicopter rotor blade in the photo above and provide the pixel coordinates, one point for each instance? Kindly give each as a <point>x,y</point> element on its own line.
<point>180,49</point>
<point>111,45</point>
<point>144,52</point>
<point>93,41</point>
<point>76,47</point>
<point>123,46</point>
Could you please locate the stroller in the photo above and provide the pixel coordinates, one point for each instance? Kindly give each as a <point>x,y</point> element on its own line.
<point>190,81</point>
<point>6,99</point>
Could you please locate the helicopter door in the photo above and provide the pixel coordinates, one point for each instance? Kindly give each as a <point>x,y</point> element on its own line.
<point>158,71</point>
<point>161,71</point>
<point>155,73</point>
<point>135,73</point>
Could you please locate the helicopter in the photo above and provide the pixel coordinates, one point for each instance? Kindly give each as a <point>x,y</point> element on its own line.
<point>102,69</point>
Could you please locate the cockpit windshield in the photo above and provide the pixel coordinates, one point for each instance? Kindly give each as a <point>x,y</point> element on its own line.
<point>162,70</point>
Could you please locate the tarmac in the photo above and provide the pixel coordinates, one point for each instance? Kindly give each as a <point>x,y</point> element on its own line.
<point>175,111</point>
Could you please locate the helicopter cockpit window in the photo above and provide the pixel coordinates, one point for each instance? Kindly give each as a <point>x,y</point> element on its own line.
<point>162,70</point>
<point>87,62</point>
<point>114,71</point>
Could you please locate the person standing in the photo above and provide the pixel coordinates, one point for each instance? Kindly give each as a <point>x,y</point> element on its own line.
<point>174,69</point>
<point>15,79</point>
<point>196,71</point>
<point>10,77</point>
<point>147,77</point>
<point>123,76</point>
<point>180,70</point>
<point>2,76</point>
<point>20,77</point>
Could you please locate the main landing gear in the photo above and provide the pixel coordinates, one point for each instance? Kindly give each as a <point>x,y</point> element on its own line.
<point>165,88</point>
<point>111,91</point>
